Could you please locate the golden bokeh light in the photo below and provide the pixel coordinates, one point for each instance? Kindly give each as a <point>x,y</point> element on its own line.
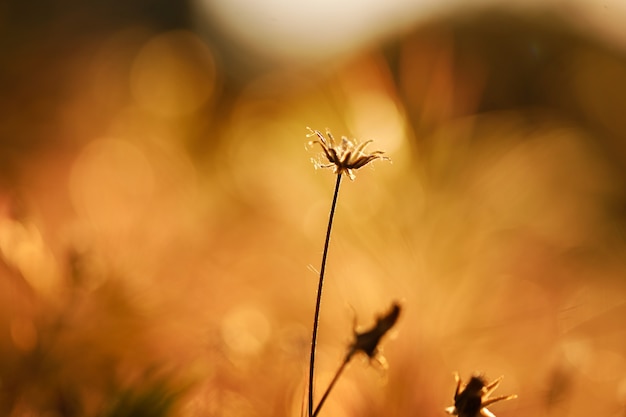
<point>111,184</point>
<point>162,223</point>
<point>245,331</point>
<point>173,74</point>
<point>23,248</point>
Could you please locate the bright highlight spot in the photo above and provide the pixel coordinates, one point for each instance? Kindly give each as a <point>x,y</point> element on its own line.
<point>307,29</point>
<point>375,116</point>
<point>245,330</point>
<point>23,248</point>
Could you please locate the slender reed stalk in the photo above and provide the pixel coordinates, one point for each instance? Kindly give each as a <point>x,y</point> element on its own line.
<point>344,157</point>
<point>318,301</point>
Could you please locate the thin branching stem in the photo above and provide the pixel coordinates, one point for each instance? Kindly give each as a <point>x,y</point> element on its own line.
<point>320,286</point>
<point>332,383</point>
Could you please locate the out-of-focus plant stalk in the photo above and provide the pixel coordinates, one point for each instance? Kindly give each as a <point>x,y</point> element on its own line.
<point>345,362</point>
<point>366,342</point>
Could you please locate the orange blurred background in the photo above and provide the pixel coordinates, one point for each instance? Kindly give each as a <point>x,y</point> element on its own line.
<point>161,223</point>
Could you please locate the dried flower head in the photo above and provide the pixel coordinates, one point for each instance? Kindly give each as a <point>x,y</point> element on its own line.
<point>474,398</point>
<point>345,156</point>
<point>367,341</point>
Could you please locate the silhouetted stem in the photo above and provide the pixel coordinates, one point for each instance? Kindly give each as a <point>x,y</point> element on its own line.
<point>319,294</point>
<point>332,383</point>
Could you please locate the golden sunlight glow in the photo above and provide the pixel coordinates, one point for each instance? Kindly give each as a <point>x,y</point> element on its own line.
<point>308,29</point>
<point>111,183</point>
<point>245,331</point>
<point>173,74</point>
<point>375,115</point>
<point>162,225</point>
<point>23,248</point>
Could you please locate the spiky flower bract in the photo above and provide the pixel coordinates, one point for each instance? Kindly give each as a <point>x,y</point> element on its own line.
<point>345,156</point>
<point>473,400</point>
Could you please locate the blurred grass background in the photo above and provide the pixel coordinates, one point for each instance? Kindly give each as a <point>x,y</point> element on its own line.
<point>161,222</point>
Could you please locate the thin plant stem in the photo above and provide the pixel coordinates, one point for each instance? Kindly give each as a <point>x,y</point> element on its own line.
<point>319,293</point>
<point>332,383</point>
